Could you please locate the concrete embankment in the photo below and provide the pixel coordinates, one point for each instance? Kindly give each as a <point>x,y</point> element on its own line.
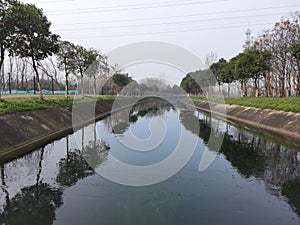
<point>281,125</point>
<point>22,132</point>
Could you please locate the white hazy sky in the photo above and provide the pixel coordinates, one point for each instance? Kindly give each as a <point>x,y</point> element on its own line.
<point>199,26</point>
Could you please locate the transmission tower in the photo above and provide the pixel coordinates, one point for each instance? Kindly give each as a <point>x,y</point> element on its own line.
<point>248,39</point>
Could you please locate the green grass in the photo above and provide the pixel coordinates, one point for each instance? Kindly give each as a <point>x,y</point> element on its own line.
<point>32,103</point>
<point>284,104</point>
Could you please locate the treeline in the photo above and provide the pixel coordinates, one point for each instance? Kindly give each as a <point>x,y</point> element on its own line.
<point>269,67</point>
<point>126,85</point>
<point>26,39</point>
<point>35,56</point>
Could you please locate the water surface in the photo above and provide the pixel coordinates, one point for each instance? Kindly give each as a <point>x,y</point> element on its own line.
<point>252,180</point>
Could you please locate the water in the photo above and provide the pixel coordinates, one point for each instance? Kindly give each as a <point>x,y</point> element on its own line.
<point>251,181</point>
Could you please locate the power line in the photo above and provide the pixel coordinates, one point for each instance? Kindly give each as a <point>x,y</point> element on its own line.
<point>119,8</point>
<point>166,23</point>
<point>182,16</point>
<point>125,6</point>
<point>172,31</point>
<point>54,1</point>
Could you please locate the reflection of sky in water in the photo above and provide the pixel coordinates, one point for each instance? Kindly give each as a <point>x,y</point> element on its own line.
<point>163,150</point>
<point>242,186</point>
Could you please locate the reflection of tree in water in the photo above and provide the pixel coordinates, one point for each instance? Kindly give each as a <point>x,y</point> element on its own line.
<point>33,205</point>
<point>291,190</point>
<point>254,156</point>
<point>73,168</point>
<point>120,121</point>
<point>96,152</point>
<point>121,127</point>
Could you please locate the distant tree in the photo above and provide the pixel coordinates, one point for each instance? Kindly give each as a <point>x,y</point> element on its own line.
<point>296,54</point>
<point>296,51</point>
<point>253,64</point>
<point>130,89</point>
<point>83,59</point>
<point>228,73</point>
<point>66,60</point>
<point>279,40</point>
<point>122,79</point>
<point>99,68</point>
<point>32,36</point>
<point>204,79</point>
<point>143,88</point>
<point>190,85</point>
<point>216,69</point>
<point>176,90</point>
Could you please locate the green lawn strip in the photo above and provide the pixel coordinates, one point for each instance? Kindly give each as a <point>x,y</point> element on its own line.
<point>284,104</point>
<point>32,103</point>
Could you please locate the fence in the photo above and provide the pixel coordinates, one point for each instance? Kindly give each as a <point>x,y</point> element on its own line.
<point>45,92</point>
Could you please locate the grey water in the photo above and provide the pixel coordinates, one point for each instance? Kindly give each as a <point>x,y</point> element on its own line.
<point>253,180</point>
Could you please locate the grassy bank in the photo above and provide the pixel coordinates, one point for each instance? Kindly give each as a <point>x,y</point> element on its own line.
<point>32,103</point>
<point>284,104</point>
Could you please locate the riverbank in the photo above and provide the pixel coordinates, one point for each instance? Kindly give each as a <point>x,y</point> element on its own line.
<point>291,104</point>
<point>18,103</point>
<point>281,125</point>
<point>24,131</point>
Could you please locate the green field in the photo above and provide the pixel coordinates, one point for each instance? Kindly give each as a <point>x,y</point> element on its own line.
<point>32,103</point>
<point>284,104</point>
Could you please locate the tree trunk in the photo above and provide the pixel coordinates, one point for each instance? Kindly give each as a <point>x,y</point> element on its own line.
<point>282,87</point>
<point>82,89</point>
<point>242,88</point>
<point>37,77</point>
<point>298,82</point>
<point>95,86</point>
<point>256,87</point>
<point>67,85</point>
<point>38,177</point>
<point>82,139</point>
<point>266,85</point>
<point>228,90</point>
<point>245,89</point>
<point>2,52</point>
<point>4,184</point>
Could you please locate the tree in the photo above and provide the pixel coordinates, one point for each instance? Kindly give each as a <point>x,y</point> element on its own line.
<point>296,51</point>
<point>32,205</point>
<point>122,79</point>
<point>279,41</point>
<point>296,54</point>
<point>98,69</point>
<point>66,60</point>
<point>32,36</point>
<point>83,59</point>
<point>228,73</point>
<point>189,84</point>
<point>253,64</point>
<point>176,90</point>
<point>216,69</point>
<point>6,29</point>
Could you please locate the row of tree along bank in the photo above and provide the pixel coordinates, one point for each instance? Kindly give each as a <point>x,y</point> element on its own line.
<point>269,66</point>
<point>29,47</point>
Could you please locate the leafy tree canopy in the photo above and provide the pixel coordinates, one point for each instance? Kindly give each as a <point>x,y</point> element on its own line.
<point>122,79</point>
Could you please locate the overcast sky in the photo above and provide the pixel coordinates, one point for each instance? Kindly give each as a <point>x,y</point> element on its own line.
<point>199,26</point>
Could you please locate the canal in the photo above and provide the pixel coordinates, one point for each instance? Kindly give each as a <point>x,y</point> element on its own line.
<point>253,180</point>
